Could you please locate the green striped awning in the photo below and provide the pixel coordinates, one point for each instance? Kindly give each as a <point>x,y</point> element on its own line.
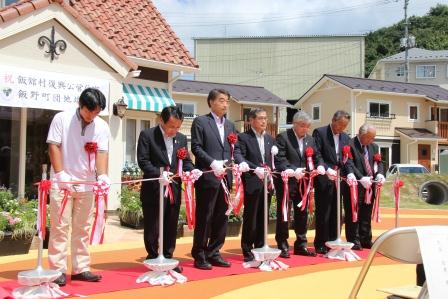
<point>140,97</point>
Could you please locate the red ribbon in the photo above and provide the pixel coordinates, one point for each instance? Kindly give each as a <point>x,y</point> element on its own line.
<point>285,198</point>
<point>376,160</point>
<point>306,196</point>
<point>232,138</point>
<point>101,191</point>
<point>188,180</point>
<point>91,148</point>
<point>346,153</point>
<point>354,198</point>
<point>368,196</point>
<point>63,203</point>
<point>239,190</point>
<point>397,185</point>
<point>227,198</point>
<point>169,190</point>
<point>43,190</point>
<point>181,155</point>
<point>376,205</point>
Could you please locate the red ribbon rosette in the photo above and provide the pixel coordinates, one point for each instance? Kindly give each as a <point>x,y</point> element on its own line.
<point>309,152</point>
<point>91,148</point>
<point>376,160</point>
<point>181,155</point>
<point>232,138</point>
<point>346,153</point>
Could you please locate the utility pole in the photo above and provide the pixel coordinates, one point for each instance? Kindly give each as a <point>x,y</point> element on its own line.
<point>407,42</point>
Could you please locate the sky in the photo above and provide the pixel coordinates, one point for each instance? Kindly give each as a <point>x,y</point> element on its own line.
<point>221,18</point>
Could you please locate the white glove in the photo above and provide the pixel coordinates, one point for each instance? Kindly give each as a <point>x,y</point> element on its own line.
<point>320,170</point>
<point>366,182</point>
<point>244,167</point>
<point>380,178</point>
<point>218,167</point>
<point>332,174</point>
<point>289,172</point>
<point>259,171</point>
<point>166,178</point>
<point>299,174</point>
<point>196,174</point>
<point>351,177</point>
<point>104,178</point>
<point>61,179</point>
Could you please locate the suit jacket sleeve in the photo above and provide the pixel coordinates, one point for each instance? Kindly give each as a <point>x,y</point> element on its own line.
<point>197,141</point>
<point>237,152</point>
<point>281,160</point>
<point>144,156</point>
<point>243,146</point>
<point>380,164</point>
<point>355,155</point>
<point>318,145</point>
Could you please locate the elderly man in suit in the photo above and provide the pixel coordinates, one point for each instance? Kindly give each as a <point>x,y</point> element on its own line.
<point>255,145</point>
<point>157,147</point>
<point>363,151</point>
<point>330,141</point>
<point>212,149</point>
<point>291,158</point>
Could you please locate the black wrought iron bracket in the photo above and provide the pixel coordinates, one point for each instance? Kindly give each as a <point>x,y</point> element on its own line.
<point>53,46</point>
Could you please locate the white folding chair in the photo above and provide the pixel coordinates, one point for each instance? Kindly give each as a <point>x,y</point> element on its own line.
<point>400,244</point>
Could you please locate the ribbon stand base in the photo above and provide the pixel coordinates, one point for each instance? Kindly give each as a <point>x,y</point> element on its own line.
<point>265,259</point>
<point>162,272</point>
<point>340,250</point>
<point>38,284</point>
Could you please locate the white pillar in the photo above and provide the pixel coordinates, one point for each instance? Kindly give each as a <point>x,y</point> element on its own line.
<point>22,152</point>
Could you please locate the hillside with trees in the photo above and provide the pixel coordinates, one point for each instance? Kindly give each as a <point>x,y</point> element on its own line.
<point>430,31</point>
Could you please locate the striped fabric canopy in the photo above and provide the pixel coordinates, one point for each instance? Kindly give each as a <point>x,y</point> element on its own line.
<point>139,97</point>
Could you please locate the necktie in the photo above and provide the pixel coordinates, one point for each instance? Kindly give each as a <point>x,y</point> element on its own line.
<point>366,161</point>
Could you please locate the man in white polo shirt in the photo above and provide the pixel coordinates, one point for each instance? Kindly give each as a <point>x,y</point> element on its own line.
<point>78,143</point>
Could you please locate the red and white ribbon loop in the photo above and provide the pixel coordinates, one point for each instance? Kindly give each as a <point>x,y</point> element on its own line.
<point>43,190</point>
<point>101,191</point>
<point>63,203</point>
<point>285,179</point>
<point>306,195</point>
<point>368,195</point>
<point>188,180</point>
<point>238,200</point>
<point>376,205</point>
<point>353,184</point>
<point>397,185</point>
<point>274,152</point>
<point>227,197</point>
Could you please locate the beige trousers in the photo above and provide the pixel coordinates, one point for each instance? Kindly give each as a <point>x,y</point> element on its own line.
<point>78,212</point>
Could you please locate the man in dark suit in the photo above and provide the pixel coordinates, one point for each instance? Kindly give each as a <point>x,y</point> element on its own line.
<point>255,145</point>
<point>330,141</point>
<point>291,158</point>
<point>211,147</point>
<point>363,150</point>
<point>157,147</point>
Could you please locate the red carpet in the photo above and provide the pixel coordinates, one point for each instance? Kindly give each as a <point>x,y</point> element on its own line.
<point>125,278</point>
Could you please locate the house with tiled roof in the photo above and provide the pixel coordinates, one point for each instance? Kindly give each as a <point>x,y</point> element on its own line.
<point>411,119</point>
<point>192,97</point>
<point>425,66</point>
<point>52,49</point>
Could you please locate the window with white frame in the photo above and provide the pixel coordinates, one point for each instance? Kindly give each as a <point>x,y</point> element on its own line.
<point>379,109</point>
<point>315,112</point>
<point>413,112</point>
<point>426,71</point>
<point>188,109</point>
<point>399,72</point>
<point>133,128</point>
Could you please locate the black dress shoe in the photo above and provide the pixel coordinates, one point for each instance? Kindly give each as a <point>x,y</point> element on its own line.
<point>249,258</point>
<point>367,245</point>
<point>203,265</point>
<point>284,253</point>
<point>303,251</point>
<point>219,262</point>
<point>322,250</point>
<point>86,276</point>
<point>357,246</point>
<point>179,269</point>
<point>61,280</point>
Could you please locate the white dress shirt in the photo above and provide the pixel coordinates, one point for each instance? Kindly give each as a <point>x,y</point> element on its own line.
<point>169,144</point>
<point>300,142</point>
<point>260,140</point>
<point>220,124</point>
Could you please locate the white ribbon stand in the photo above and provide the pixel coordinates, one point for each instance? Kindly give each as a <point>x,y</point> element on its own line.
<point>340,250</point>
<point>162,272</point>
<point>265,257</point>
<point>38,283</point>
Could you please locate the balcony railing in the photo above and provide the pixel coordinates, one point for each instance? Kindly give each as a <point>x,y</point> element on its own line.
<point>443,129</point>
<point>380,115</point>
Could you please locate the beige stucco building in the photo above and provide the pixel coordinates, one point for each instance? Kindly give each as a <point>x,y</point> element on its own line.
<point>407,116</point>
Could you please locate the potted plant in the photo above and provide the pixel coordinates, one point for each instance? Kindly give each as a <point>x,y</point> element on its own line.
<point>130,212</point>
<point>17,224</point>
<point>181,222</point>
<point>234,224</point>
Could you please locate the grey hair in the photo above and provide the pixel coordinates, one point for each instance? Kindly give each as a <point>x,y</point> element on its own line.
<point>341,114</point>
<point>365,128</point>
<point>254,111</point>
<point>301,116</point>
